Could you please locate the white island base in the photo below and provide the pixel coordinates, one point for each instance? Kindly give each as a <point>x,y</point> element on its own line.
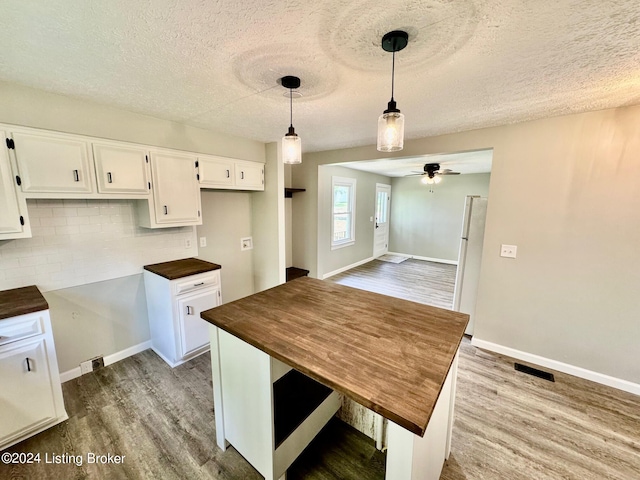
<point>246,402</point>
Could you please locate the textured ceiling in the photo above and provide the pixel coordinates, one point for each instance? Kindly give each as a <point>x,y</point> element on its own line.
<point>215,64</point>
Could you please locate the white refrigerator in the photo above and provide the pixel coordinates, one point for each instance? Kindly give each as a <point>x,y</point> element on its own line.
<point>470,258</point>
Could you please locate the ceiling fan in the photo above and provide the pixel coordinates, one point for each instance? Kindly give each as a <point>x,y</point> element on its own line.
<point>433,173</point>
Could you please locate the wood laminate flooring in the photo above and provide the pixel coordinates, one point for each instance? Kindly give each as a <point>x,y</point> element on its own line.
<point>508,426</point>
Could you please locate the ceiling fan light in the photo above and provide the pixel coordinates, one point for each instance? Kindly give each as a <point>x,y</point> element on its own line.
<point>291,148</point>
<point>391,132</point>
<point>437,179</point>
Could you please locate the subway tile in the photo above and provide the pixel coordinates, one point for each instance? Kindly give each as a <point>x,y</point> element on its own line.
<point>67,229</point>
<point>78,221</point>
<point>53,221</point>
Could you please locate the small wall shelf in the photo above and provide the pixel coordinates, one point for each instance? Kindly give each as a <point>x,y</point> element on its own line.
<point>288,192</point>
<point>295,272</point>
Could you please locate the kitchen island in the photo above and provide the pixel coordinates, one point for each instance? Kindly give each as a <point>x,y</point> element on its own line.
<point>395,357</point>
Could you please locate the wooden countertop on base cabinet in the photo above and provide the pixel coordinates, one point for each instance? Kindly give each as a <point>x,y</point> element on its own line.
<point>388,354</point>
<point>19,301</point>
<point>181,268</point>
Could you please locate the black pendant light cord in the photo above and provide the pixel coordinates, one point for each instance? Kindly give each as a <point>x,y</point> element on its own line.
<point>291,106</point>
<point>393,73</point>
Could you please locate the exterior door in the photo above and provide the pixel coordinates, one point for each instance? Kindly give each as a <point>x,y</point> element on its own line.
<point>381,229</point>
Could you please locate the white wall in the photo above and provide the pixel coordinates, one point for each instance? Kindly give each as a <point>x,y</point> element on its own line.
<point>113,309</point>
<point>268,221</point>
<point>226,218</point>
<point>566,191</point>
<point>332,260</point>
<point>428,224</point>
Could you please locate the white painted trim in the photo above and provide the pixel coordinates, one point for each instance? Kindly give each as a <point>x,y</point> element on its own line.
<point>348,267</point>
<point>580,372</point>
<point>427,259</point>
<point>108,360</point>
<point>70,374</point>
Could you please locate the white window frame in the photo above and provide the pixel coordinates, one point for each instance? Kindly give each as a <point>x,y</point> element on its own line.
<point>351,183</point>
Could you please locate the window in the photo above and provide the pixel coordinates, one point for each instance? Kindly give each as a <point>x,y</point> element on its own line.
<point>343,219</point>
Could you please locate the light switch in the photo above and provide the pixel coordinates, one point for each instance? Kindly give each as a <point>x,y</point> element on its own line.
<point>508,251</point>
<point>203,241</point>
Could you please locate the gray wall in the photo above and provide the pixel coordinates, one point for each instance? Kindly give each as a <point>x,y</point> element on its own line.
<point>566,191</point>
<point>331,260</point>
<point>112,314</point>
<point>226,218</point>
<point>428,224</point>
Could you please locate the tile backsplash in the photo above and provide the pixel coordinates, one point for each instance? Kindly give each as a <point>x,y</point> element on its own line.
<point>84,241</point>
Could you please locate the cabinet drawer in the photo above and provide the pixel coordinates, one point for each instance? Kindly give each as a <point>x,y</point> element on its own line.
<point>196,282</point>
<point>17,328</point>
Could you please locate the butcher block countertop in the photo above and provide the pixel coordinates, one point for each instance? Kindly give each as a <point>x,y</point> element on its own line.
<point>181,268</point>
<point>390,355</point>
<point>19,301</point>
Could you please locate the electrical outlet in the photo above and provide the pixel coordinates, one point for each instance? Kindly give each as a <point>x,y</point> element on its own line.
<point>508,251</point>
<point>246,243</point>
<point>203,241</point>
<point>187,243</point>
<point>86,367</point>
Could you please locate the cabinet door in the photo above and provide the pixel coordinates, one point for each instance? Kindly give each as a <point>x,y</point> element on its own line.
<point>194,331</point>
<point>53,163</point>
<point>11,216</point>
<point>215,172</point>
<point>121,169</point>
<point>176,192</point>
<point>249,176</point>
<point>26,394</point>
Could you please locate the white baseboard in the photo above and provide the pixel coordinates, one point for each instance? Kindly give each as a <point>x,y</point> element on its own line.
<point>348,267</point>
<point>580,372</point>
<point>108,360</point>
<point>427,259</point>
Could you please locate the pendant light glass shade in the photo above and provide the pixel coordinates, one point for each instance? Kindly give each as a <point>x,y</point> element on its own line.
<point>291,148</point>
<point>391,132</point>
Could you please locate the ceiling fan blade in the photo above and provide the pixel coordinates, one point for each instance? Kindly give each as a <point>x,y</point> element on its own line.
<point>448,173</point>
<point>414,175</point>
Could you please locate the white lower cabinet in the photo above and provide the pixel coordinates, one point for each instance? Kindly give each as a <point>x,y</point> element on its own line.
<point>31,394</point>
<point>177,331</point>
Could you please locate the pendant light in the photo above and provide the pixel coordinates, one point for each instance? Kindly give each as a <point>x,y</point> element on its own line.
<point>291,143</point>
<point>391,122</point>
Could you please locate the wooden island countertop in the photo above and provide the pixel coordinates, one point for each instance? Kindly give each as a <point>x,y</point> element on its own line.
<point>388,354</point>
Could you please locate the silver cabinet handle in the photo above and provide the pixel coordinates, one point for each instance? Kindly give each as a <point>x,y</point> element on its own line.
<point>198,284</point>
<point>166,210</point>
<point>242,175</point>
<point>228,173</point>
<point>109,177</point>
<point>189,310</point>
<point>76,176</point>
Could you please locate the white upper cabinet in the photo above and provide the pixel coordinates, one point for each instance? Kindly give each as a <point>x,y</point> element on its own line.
<point>176,192</point>
<point>250,175</point>
<point>121,168</point>
<point>216,172</point>
<point>13,209</point>
<point>230,174</point>
<point>53,163</point>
